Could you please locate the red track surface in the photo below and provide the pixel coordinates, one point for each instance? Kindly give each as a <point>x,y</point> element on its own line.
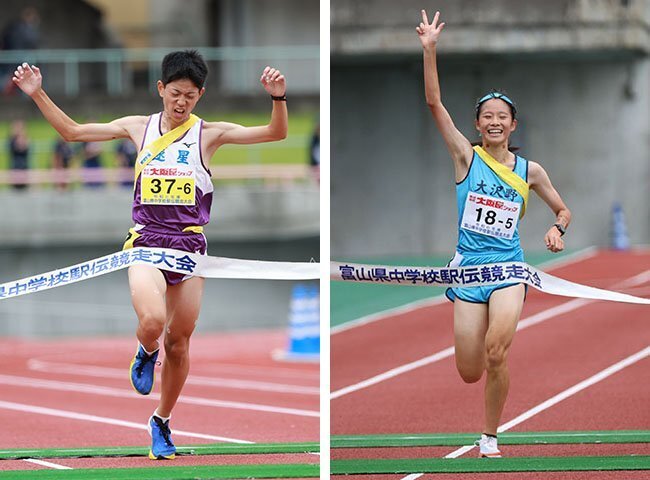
<point>631,475</point>
<point>243,357</point>
<point>545,359</point>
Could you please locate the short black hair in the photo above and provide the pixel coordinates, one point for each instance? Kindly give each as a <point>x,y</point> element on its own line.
<point>187,64</point>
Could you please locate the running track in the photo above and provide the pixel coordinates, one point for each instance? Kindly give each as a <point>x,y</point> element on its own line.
<point>76,393</point>
<point>563,342</point>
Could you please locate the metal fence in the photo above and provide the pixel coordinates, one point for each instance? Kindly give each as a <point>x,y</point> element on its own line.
<point>236,69</point>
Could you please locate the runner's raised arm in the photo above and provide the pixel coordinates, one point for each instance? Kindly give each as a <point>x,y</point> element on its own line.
<point>459,147</point>
<point>29,80</point>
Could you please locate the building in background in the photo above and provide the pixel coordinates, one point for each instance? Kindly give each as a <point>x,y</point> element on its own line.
<point>579,71</point>
<point>220,29</point>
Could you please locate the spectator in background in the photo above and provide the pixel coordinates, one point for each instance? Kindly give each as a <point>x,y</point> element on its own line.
<point>22,33</point>
<point>61,162</point>
<point>92,159</point>
<point>126,155</point>
<point>18,152</point>
<point>314,154</point>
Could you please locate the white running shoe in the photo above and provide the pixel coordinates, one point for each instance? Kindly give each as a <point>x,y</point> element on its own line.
<point>488,447</point>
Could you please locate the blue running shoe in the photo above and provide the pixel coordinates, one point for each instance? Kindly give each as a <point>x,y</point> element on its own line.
<point>141,371</point>
<point>162,446</point>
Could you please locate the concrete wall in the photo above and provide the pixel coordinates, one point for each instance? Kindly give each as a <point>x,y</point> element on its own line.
<point>178,24</point>
<point>64,24</point>
<point>584,114</point>
<point>103,216</point>
<point>586,121</point>
<point>386,26</point>
<point>254,23</point>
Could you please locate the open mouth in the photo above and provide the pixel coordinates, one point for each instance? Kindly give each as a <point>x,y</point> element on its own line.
<point>495,131</point>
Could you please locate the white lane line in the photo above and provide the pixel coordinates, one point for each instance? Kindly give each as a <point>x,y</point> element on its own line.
<point>449,351</point>
<point>393,372</point>
<point>43,463</point>
<point>578,256</point>
<point>53,412</point>
<point>539,317</point>
<point>391,312</point>
<point>598,377</point>
<point>569,392</point>
<point>266,372</point>
<point>106,372</point>
<point>124,393</point>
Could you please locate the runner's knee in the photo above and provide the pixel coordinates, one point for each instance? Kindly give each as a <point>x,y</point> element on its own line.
<point>176,348</point>
<point>470,374</point>
<point>151,324</point>
<point>495,356</point>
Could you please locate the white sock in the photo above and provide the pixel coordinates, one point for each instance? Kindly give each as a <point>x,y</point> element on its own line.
<point>164,419</point>
<point>150,353</point>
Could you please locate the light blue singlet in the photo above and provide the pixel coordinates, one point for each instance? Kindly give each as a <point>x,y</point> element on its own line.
<point>485,242</point>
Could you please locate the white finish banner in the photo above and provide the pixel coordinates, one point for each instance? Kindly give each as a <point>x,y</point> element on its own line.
<point>473,276</point>
<point>166,259</point>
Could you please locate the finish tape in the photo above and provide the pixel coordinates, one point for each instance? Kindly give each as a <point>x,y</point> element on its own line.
<point>474,276</point>
<point>192,264</point>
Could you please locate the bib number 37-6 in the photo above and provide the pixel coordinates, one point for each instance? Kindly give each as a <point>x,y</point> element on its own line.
<point>490,216</point>
<point>167,190</point>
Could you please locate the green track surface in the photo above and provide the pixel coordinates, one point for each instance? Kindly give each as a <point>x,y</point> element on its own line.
<point>507,438</point>
<point>170,473</point>
<point>208,449</point>
<point>349,301</point>
<point>467,465</point>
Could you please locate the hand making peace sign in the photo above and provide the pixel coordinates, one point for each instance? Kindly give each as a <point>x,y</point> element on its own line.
<point>429,32</point>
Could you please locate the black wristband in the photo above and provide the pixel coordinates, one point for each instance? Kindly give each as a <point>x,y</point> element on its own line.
<point>283,98</point>
<point>560,229</point>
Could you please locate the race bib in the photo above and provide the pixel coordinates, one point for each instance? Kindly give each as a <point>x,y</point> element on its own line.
<point>490,216</point>
<point>160,186</point>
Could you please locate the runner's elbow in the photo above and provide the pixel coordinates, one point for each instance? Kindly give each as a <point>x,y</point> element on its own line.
<point>276,134</point>
<point>71,133</point>
<point>434,104</point>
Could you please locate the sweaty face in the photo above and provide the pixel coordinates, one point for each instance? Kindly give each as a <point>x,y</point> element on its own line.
<point>179,98</point>
<point>495,122</point>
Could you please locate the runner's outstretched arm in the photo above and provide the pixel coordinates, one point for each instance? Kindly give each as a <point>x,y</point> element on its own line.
<point>275,85</point>
<point>459,147</point>
<point>29,80</point>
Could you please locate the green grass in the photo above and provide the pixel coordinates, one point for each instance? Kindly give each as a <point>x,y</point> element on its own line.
<point>293,150</point>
